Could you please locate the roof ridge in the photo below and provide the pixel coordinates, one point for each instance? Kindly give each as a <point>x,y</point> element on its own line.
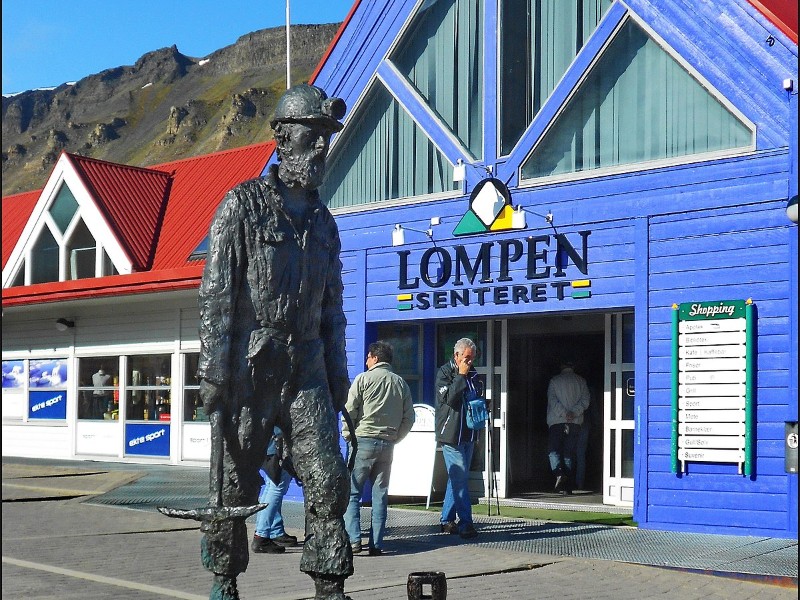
<point>213,154</point>
<point>81,158</point>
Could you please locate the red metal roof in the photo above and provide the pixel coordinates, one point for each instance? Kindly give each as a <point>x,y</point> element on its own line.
<point>131,199</point>
<point>194,188</point>
<point>782,13</point>
<point>17,208</point>
<point>198,185</point>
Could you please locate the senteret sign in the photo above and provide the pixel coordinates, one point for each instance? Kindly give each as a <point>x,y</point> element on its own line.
<point>545,260</point>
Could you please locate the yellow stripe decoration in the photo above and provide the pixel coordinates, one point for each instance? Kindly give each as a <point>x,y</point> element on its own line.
<point>582,283</point>
<point>403,297</point>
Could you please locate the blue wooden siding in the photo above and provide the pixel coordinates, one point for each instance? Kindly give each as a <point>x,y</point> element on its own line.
<point>735,253</point>
<point>703,231</point>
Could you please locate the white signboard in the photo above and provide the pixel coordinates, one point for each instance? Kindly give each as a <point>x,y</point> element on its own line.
<point>412,465</point>
<point>732,456</point>
<point>711,428</point>
<point>711,403</point>
<point>101,438</point>
<point>196,441</point>
<point>710,383</point>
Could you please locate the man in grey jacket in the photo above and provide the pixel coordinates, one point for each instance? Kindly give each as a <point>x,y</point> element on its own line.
<point>567,399</point>
<point>379,403</point>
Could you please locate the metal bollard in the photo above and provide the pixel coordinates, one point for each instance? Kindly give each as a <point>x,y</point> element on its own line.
<point>437,581</point>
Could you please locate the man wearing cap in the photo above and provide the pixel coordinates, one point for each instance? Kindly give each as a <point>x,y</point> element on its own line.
<point>272,334</point>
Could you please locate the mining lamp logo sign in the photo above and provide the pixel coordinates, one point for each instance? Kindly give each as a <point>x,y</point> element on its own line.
<point>490,209</point>
<point>505,271</point>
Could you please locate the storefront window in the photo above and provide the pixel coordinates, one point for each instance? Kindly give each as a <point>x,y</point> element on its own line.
<point>98,388</point>
<point>148,393</point>
<point>47,383</point>
<point>13,389</point>
<point>450,333</point>
<point>192,404</point>
<point>406,343</point>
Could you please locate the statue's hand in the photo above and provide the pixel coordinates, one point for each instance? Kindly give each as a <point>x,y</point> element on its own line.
<point>212,395</point>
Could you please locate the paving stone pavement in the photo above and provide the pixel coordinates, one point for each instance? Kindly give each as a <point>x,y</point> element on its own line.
<point>59,542</point>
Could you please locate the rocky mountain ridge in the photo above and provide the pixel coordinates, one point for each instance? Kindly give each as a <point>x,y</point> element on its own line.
<point>165,107</point>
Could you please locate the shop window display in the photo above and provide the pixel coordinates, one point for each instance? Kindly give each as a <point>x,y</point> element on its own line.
<point>98,388</point>
<point>192,404</point>
<point>148,396</point>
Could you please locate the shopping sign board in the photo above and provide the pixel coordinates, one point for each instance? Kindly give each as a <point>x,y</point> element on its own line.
<point>712,382</point>
<point>147,439</point>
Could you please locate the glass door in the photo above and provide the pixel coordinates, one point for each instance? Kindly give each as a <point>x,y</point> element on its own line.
<point>618,410</point>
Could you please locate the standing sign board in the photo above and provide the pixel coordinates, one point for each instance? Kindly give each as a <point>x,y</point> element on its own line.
<point>712,382</point>
<point>412,465</point>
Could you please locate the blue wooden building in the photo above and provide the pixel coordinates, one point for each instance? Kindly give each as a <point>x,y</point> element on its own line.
<point>567,180</point>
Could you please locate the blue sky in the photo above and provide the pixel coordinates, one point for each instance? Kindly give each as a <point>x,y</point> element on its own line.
<point>49,42</point>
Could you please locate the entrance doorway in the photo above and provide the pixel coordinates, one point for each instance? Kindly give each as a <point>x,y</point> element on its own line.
<point>536,349</point>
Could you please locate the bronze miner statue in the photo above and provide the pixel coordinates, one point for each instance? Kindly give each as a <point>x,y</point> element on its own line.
<point>272,334</point>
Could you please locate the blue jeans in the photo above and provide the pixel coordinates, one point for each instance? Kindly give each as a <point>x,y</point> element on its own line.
<point>561,444</point>
<point>457,459</point>
<point>269,522</point>
<point>373,462</point>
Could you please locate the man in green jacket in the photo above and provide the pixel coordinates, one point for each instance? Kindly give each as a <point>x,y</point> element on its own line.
<point>379,403</point>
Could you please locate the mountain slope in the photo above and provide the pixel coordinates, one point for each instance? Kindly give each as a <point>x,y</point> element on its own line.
<point>166,106</point>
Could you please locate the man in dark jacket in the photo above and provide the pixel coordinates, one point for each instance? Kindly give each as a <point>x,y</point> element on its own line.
<point>456,382</point>
<point>272,334</point>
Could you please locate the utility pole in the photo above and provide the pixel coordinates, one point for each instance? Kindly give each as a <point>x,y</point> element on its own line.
<point>288,50</point>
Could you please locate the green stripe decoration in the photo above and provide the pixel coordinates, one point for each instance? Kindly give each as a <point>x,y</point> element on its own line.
<point>748,406</point>
<point>674,454</point>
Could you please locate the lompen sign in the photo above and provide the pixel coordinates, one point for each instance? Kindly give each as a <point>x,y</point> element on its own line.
<point>712,383</point>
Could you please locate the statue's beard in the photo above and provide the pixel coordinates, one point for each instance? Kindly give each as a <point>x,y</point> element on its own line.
<point>306,172</point>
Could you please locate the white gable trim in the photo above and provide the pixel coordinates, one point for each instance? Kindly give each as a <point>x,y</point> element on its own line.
<point>64,173</point>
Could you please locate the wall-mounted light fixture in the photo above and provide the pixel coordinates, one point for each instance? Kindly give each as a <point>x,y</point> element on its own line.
<point>399,232</point>
<point>518,220</point>
<point>64,324</point>
<point>791,209</point>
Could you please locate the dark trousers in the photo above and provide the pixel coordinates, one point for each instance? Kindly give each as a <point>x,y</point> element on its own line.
<point>561,445</point>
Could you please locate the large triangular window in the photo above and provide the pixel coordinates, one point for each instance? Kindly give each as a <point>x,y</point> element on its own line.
<point>636,105</point>
<point>383,155</point>
<point>538,41</point>
<point>441,55</point>
<point>63,247</point>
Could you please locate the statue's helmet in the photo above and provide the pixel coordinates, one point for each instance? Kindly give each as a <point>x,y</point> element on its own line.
<point>305,103</point>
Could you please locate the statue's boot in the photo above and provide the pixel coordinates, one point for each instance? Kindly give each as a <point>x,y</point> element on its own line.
<point>330,588</point>
<point>224,588</point>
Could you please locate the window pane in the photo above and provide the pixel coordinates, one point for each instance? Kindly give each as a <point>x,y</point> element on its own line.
<point>628,391</point>
<point>64,208</point>
<point>637,104</point>
<point>383,155</point>
<point>449,334</point>
<point>627,453</point>
<point>48,373</point>
<point>441,54</point>
<point>19,278</point>
<point>149,380</point>
<point>82,251</point>
<point>44,258</point>
<point>538,41</point>
<point>108,266</point>
<point>98,387</point>
<point>407,350</point>
<point>628,338</point>
<point>192,404</point>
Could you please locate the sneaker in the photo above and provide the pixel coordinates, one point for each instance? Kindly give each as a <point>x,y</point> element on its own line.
<point>262,545</point>
<point>448,527</point>
<point>285,540</point>
<point>469,532</point>
<point>375,552</point>
<point>356,547</point>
